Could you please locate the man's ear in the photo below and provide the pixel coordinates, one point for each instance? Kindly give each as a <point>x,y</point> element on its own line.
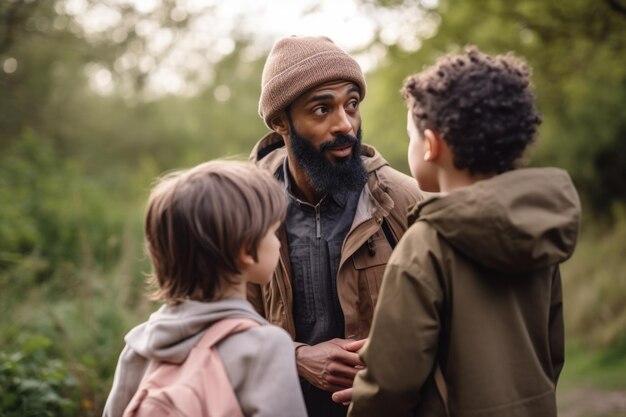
<point>433,145</point>
<point>280,124</point>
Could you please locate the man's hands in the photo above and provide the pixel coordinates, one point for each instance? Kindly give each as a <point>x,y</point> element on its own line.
<point>343,397</point>
<point>331,365</point>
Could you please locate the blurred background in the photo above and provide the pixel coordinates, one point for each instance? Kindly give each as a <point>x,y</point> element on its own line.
<point>97,98</point>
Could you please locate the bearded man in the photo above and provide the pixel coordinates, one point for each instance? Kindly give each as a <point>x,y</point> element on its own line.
<point>347,209</point>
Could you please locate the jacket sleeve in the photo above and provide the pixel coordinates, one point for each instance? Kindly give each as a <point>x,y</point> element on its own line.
<point>401,350</point>
<point>557,336</point>
<point>128,374</point>
<point>261,367</point>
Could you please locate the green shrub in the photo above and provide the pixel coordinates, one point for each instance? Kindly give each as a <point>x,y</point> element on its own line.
<point>594,283</point>
<point>34,384</point>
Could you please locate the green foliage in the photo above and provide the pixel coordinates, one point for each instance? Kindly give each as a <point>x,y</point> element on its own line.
<point>54,219</point>
<point>594,284</point>
<point>577,51</point>
<point>34,384</point>
<point>600,368</point>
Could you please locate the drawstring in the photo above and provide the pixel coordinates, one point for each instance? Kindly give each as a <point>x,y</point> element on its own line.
<point>371,246</point>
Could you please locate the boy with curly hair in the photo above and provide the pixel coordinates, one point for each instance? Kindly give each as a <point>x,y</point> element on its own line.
<point>469,319</point>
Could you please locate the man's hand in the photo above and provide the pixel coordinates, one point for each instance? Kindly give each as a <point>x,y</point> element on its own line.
<point>355,346</point>
<point>331,365</point>
<point>343,397</point>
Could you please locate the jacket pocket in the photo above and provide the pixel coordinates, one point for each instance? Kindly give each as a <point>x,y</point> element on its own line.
<point>370,262</point>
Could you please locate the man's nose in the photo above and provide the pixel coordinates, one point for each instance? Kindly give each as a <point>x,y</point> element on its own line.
<point>342,123</point>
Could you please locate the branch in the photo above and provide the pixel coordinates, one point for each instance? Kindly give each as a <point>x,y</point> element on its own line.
<point>617,6</point>
<point>13,18</point>
<point>9,22</point>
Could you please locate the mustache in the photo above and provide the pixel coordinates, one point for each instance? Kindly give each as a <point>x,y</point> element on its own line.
<point>337,141</point>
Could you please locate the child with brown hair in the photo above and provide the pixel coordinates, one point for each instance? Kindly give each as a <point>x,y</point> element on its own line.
<point>469,319</point>
<point>209,231</point>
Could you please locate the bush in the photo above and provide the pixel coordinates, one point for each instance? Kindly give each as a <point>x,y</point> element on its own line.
<point>594,283</point>
<point>54,219</point>
<point>34,384</point>
<point>71,278</point>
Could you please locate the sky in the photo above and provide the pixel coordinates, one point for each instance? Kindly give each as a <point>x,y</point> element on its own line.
<point>351,24</point>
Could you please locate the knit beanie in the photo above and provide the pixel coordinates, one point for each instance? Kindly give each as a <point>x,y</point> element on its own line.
<point>297,64</point>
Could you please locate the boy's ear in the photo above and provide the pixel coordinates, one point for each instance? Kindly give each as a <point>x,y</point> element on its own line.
<point>245,258</point>
<point>433,145</point>
<point>280,124</point>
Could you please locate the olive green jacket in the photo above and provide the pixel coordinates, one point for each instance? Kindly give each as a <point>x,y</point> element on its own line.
<point>474,287</point>
<point>386,198</point>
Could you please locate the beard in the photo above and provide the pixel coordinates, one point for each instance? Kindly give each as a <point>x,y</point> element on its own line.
<point>324,175</point>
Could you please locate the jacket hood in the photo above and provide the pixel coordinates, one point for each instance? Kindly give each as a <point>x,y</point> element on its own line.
<point>270,152</point>
<point>173,330</point>
<point>514,222</point>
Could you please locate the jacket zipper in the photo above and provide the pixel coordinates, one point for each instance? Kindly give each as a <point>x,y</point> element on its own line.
<point>318,226</point>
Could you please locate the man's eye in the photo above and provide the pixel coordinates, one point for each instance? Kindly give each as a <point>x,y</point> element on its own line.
<point>353,104</point>
<point>320,110</point>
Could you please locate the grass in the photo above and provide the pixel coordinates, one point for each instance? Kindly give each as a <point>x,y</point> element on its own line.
<point>593,382</point>
<point>602,369</point>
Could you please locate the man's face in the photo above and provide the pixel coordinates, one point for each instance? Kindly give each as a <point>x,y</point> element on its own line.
<point>325,136</point>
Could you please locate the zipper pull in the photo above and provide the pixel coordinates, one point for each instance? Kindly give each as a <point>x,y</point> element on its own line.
<point>371,246</point>
<point>318,226</point>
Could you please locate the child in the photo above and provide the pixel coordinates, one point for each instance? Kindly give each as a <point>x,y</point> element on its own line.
<point>472,291</point>
<point>209,231</point>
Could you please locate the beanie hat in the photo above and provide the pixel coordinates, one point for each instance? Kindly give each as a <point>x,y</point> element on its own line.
<point>297,64</point>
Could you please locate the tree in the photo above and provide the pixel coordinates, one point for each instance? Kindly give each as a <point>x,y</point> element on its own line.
<point>577,50</point>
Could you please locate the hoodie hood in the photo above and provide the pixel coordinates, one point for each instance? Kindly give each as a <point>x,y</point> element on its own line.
<point>514,222</point>
<point>173,330</point>
<point>270,152</point>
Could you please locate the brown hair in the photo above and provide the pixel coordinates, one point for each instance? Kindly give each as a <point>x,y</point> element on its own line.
<point>483,106</point>
<point>198,220</point>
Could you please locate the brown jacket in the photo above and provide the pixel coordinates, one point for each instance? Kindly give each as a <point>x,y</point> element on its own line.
<point>474,286</point>
<point>387,197</point>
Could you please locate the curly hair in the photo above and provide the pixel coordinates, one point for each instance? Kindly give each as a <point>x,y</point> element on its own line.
<point>482,105</point>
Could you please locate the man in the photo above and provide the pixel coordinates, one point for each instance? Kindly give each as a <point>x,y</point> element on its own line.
<point>347,209</point>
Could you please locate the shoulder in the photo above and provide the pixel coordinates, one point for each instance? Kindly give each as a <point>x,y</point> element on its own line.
<point>261,367</point>
<point>257,342</point>
<point>250,357</point>
<point>270,335</point>
<point>400,186</point>
<point>418,243</point>
<point>387,177</point>
<point>391,176</point>
<point>269,152</point>
<point>420,254</point>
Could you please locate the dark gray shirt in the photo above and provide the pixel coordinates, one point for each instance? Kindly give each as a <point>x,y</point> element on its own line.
<point>315,234</point>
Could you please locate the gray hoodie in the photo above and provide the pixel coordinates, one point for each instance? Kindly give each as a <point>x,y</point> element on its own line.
<point>260,362</point>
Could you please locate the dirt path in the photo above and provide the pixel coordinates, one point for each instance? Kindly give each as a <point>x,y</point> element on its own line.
<point>592,402</point>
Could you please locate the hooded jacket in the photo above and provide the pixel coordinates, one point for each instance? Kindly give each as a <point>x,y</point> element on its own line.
<point>259,362</point>
<point>474,287</point>
<point>384,203</point>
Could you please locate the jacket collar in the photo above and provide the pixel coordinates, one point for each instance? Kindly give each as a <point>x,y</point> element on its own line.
<point>270,152</point>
